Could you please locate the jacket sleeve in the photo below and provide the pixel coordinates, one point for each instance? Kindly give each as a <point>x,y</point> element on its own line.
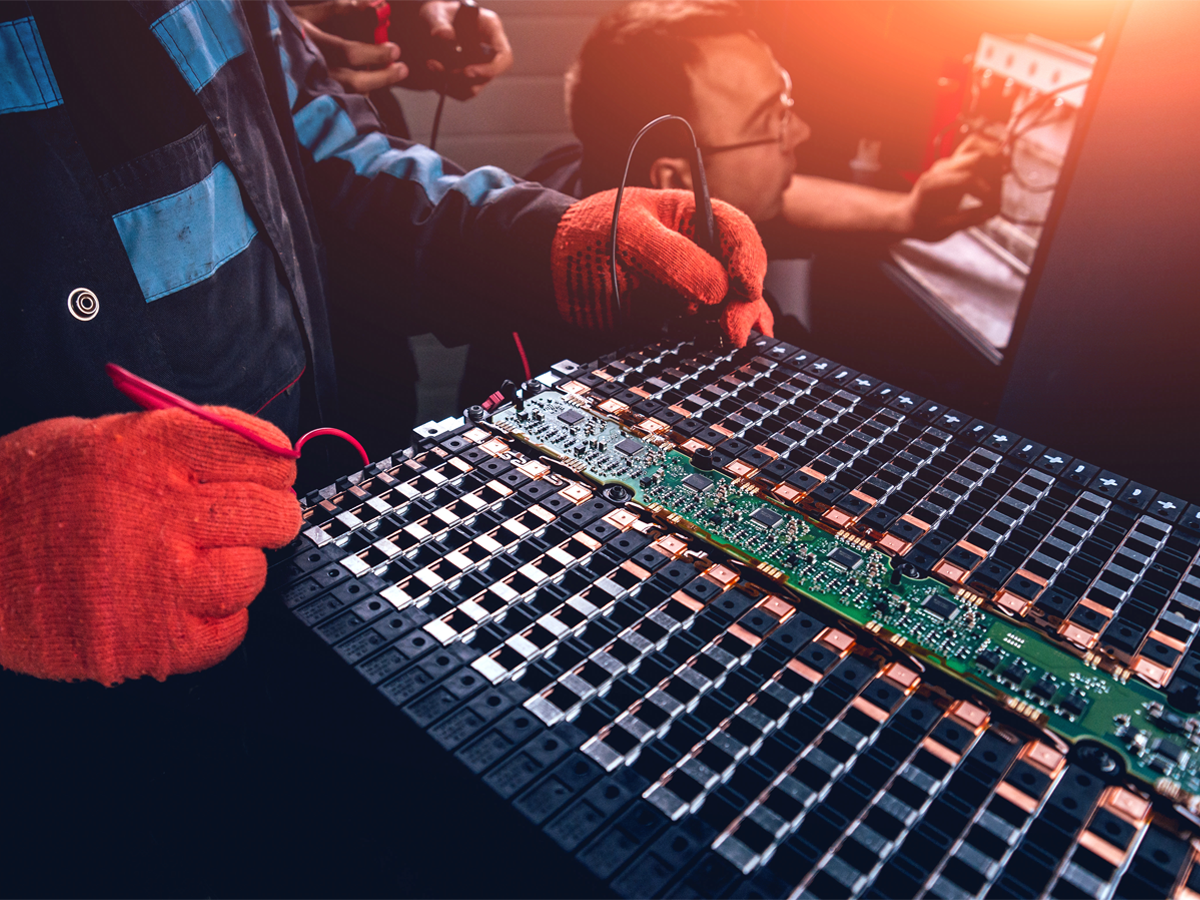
<point>456,252</point>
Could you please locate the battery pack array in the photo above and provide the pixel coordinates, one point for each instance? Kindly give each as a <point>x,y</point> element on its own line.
<point>1102,562</point>
<point>678,721</point>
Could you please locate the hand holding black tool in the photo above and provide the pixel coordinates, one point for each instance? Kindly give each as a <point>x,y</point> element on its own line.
<point>459,49</point>
<point>444,45</point>
<point>739,311</point>
<point>449,37</point>
<point>467,46</point>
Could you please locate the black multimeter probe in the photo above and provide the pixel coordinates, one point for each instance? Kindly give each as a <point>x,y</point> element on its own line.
<point>705,233</point>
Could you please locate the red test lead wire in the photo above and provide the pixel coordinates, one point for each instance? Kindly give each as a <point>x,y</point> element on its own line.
<point>524,358</point>
<point>149,395</point>
<point>336,432</point>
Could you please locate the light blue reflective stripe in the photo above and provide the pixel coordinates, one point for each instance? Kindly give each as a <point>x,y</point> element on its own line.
<point>201,36</point>
<point>277,37</point>
<point>325,129</point>
<point>26,80</point>
<point>183,239</point>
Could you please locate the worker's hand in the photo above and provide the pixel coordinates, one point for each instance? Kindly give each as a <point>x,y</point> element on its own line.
<point>341,30</point>
<point>935,207</point>
<point>656,253</point>
<point>437,16</point>
<point>132,544</point>
<point>740,317</point>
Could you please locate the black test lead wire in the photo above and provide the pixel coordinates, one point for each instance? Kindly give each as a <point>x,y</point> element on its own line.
<point>705,226</point>
<point>468,49</point>
<point>437,116</point>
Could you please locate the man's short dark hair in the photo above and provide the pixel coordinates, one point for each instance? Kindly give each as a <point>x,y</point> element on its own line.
<point>633,68</point>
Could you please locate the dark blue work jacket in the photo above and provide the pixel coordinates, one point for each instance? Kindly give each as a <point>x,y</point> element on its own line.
<point>170,174</point>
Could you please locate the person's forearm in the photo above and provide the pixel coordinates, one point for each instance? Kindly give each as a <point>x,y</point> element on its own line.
<point>422,239</point>
<point>827,205</point>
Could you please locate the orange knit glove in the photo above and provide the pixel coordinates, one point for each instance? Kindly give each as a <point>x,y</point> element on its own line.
<point>655,249</point>
<point>131,544</point>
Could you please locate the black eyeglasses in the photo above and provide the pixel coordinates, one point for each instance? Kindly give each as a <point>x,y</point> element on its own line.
<point>787,102</point>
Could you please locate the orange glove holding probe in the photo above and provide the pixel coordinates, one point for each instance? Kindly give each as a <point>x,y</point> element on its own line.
<point>132,543</point>
<point>654,248</point>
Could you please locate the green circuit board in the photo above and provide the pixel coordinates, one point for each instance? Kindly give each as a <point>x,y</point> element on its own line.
<point>1000,657</point>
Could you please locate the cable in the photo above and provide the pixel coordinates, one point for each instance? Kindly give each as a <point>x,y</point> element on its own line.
<point>150,396</point>
<point>437,116</point>
<point>935,143</point>
<point>1011,134</point>
<point>334,432</point>
<point>524,358</point>
<point>467,49</point>
<point>705,229</point>
<point>1015,133</point>
<point>1040,122</point>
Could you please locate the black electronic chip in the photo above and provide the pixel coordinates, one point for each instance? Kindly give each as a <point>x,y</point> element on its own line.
<point>1044,687</point>
<point>940,606</point>
<point>1016,673</point>
<point>845,559</point>
<point>697,483</point>
<point>571,416</point>
<point>765,517</point>
<point>629,446</point>
<point>1074,704</point>
<point>1168,749</point>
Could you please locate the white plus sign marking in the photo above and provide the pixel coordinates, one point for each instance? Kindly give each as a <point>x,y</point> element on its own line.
<point>1053,460</point>
<point>1167,504</point>
<point>1000,438</point>
<point>1108,482</point>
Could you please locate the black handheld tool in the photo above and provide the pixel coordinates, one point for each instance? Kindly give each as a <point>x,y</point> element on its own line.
<point>706,229</point>
<point>703,328</point>
<point>468,48</point>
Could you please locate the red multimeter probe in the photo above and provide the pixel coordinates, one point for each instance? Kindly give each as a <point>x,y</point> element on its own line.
<point>149,395</point>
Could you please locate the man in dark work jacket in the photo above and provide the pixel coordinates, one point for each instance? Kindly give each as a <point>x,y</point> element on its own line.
<point>173,173</point>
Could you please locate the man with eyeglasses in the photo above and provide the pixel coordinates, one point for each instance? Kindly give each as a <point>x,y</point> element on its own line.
<point>700,59</point>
